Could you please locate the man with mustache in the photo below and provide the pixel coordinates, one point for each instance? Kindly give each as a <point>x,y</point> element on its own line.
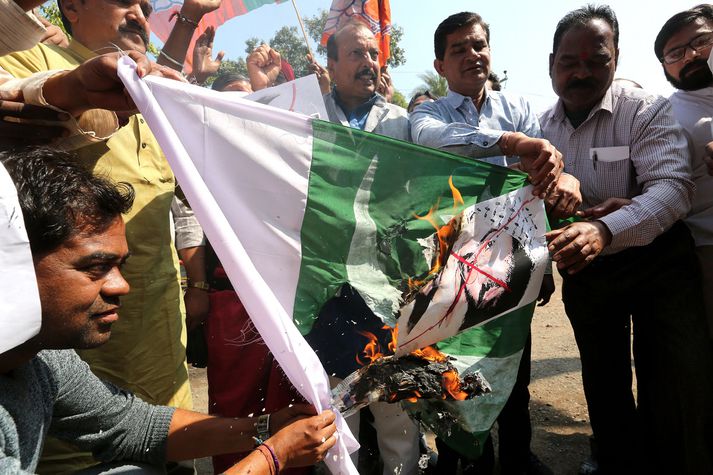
<point>631,263</point>
<point>353,65</point>
<point>147,351</point>
<point>494,127</point>
<point>684,46</point>
<point>73,222</point>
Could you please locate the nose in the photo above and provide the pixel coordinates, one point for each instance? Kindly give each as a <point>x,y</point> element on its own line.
<point>582,70</point>
<point>115,285</point>
<point>689,54</point>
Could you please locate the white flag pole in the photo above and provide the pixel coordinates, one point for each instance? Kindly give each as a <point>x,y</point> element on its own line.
<point>302,26</point>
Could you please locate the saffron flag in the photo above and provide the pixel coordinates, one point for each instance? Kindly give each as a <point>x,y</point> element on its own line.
<point>161,24</point>
<point>297,207</point>
<point>375,13</point>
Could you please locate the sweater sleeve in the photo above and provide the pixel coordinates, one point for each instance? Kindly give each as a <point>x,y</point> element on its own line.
<point>110,422</point>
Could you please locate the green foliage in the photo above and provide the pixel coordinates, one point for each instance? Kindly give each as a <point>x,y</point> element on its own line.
<point>315,27</point>
<point>50,11</point>
<point>399,99</point>
<point>291,47</point>
<point>229,66</point>
<point>437,85</point>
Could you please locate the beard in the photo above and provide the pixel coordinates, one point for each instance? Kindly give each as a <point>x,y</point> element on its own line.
<point>692,81</point>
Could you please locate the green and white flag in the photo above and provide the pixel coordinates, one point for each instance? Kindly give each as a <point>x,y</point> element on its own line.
<point>296,207</point>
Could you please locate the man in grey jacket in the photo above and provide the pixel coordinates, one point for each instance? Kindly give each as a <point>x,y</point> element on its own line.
<point>353,64</point>
<point>78,244</point>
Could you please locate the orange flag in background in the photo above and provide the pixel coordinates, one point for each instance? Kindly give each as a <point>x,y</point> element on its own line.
<point>375,13</point>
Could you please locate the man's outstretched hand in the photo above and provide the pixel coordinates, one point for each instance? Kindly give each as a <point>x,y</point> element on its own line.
<point>14,129</point>
<point>96,85</point>
<point>538,158</point>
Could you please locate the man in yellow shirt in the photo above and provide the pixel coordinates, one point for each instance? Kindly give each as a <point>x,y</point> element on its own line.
<point>147,351</point>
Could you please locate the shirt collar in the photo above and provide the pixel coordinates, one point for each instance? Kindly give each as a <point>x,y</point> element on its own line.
<point>375,99</point>
<point>79,51</point>
<point>606,103</point>
<point>455,99</point>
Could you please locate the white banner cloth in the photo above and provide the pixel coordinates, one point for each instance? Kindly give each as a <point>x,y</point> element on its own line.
<point>295,356</point>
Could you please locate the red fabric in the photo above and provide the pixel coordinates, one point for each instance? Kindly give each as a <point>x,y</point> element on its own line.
<point>243,377</point>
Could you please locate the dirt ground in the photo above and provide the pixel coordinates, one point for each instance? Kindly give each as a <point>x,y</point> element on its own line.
<point>558,409</point>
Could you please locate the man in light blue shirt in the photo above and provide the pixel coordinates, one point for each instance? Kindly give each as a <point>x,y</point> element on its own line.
<point>501,129</point>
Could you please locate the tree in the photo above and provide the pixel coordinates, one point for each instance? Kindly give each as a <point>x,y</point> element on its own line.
<point>292,48</point>
<point>399,99</point>
<point>315,27</point>
<point>435,84</point>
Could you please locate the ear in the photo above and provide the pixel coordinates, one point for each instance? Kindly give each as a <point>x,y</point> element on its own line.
<point>552,62</point>
<point>70,8</point>
<point>616,58</point>
<point>438,66</point>
<point>331,68</point>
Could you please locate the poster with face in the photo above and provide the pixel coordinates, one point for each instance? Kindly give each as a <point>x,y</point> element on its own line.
<point>491,263</point>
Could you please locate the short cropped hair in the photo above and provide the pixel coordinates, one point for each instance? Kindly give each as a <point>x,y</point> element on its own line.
<point>678,21</point>
<point>581,17</point>
<point>418,95</point>
<point>225,79</point>
<point>59,198</point>
<point>333,47</point>
<point>453,23</point>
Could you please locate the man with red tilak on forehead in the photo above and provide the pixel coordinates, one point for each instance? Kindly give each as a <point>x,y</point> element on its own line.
<point>630,260</point>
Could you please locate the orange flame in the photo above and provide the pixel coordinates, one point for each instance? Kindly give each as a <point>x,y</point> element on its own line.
<point>444,233</point>
<point>429,353</point>
<point>457,197</point>
<point>452,385</point>
<point>394,337</point>
<point>372,350</point>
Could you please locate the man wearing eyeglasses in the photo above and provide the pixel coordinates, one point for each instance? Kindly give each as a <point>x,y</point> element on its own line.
<point>683,46</point>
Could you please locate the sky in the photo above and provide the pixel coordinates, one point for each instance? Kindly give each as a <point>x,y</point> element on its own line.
<point>521,37</point>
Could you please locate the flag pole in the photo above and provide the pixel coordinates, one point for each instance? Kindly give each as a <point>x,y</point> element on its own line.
<point>302,26</point>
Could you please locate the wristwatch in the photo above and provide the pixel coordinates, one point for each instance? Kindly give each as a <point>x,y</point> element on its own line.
<point>201,284</point>
<point>263,427</point>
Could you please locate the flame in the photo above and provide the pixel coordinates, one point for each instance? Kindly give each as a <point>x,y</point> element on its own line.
<point>394,337</point>
<point>451,384</point>
<point>445,233</point>
<point>429,353</point>
<point>457,197</point>
<point>372,350</point>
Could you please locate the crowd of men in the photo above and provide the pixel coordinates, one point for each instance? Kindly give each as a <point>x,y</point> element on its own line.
<point>628,174</point>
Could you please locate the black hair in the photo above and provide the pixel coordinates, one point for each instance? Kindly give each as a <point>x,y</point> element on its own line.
<point>417,95</point>
<point>581,17</point>
<point>495,80</point>
<point>678,21</point>
<point>59,198</point>
<point>225,79</point>
<point>453,23</point>
<point>65,22</point>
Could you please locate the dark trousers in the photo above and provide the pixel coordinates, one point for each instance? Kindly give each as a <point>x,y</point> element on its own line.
<point>656,290</point>
<point>514,432</point>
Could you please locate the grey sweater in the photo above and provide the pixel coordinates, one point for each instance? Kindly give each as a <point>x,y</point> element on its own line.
<point>56,392</point>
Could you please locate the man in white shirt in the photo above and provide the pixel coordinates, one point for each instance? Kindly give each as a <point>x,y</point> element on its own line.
<point>683,46</point>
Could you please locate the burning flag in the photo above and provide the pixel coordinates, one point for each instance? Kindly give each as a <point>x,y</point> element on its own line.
<point>298,208</point>
<point>375,13</point>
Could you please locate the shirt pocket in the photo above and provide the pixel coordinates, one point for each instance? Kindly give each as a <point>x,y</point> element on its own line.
<point>613,172</point>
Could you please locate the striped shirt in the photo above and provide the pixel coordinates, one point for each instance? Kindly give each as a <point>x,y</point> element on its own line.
<point>630,146</point>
